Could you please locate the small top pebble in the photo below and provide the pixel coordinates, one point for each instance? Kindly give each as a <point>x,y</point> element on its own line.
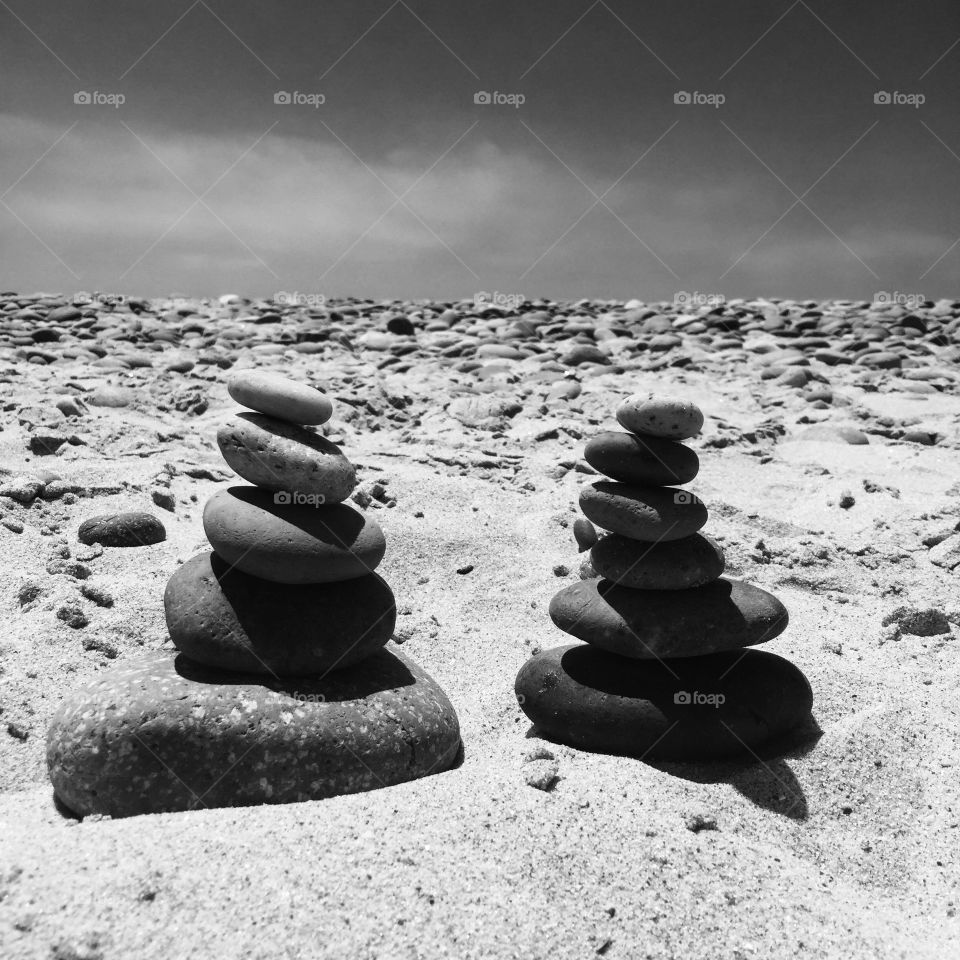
<point>279,397</point>
<point>659,416</point>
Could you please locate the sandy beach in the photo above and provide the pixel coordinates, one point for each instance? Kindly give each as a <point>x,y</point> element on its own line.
<point>829,466</point>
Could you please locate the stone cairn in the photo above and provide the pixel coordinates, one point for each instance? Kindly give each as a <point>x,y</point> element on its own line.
<point>663,674</point>
<point>281,690</point>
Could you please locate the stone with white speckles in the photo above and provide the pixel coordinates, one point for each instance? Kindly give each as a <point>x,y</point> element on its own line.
<point>161,733</point>
<point>671,417</point>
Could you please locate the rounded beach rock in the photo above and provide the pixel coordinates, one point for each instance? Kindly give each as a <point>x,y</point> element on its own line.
<point>290,543</point>
<point>279,397</point>
<point>703,708</point>
<point>671,417</point>
<point>723,615</point>
<point>671,565</point>
<point>279,455</point>
<point>646,460</point>
<point>122,530</point>
<point>219,616</point>
<point>160,733</point>
<point>652,514</point>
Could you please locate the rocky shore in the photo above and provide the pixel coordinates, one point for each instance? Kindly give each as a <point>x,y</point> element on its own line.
<point>833,482</point>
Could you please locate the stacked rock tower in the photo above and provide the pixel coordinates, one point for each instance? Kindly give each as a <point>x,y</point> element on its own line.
<point>281,690</point>
<point>662,674</point>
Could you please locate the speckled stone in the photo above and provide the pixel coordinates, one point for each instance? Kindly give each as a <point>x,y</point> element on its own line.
<point>288,543</point>
<point>652,514</point>
<point>278,455</point>
<point>222,617</point>
<point>161,733</point>
<point>723,615</point>
<point>671,565</point>
<point>664,709</point>
<point>122,530</point>
<point>644,460</point>
<point>279,397</point>
<point>671,417</point>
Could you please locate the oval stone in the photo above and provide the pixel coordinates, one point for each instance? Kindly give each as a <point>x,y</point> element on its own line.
<point>132,529</point>
<point>703,708</point>
<point>279,397</point>
<point>660,416</point>
<point>645,460</point>
<point>652,514</point>
<point>220,616</point>
<point>723,615</point>
<point>256,531</point>
<point>671,565</point>
<point>161,733</point>
<point>279,455</point>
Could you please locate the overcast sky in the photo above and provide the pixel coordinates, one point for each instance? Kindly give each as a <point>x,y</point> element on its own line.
<point>785,179</point>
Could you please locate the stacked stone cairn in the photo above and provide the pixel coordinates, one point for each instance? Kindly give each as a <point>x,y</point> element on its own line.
<point>280,688</point>
<point>663,674</point>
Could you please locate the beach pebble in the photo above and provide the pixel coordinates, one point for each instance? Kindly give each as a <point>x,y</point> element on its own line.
<point>641,459</point>
<point>291,543</point>
<point>925,622</point>
<point>122,530</point>
<point>279,397</point>
<point>585,533</point>
<point>159,733</point>
<point>702,708</point>
<point>283,456</point>
<point>721,615</point>
<point>651,514</point>
<point>672,565</point>
<point>834,433</point>
<point>222,617</point>
<point>108,396</point>
<point>671,417</point>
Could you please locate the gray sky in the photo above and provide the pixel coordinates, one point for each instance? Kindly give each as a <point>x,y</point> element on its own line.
<point>785,179</point>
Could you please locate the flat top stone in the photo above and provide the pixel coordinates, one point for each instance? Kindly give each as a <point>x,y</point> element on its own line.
<point>279,397</point>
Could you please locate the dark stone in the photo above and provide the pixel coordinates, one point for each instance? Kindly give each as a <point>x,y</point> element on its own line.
<point>671,565</point>
<point>645,460</point>
<point>723,615</point>
<point>161,733</point>
<point>290,543</point>
<point>663,709</point>
<point>222,617</point>
<point>643,513</point>
<point>122,530</point>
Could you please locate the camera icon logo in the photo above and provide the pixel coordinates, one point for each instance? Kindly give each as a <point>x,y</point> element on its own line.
<point>682,698</point>
<point>282,498</point>
<point>81,96</point>
<point>481,96</point>
<point>282,96</point>
<point>681,96</point>
<point>881,96</point>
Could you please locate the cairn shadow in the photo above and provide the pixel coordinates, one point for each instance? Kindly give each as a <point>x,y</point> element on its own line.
<point>765,778</point>
<point>379,672</point>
